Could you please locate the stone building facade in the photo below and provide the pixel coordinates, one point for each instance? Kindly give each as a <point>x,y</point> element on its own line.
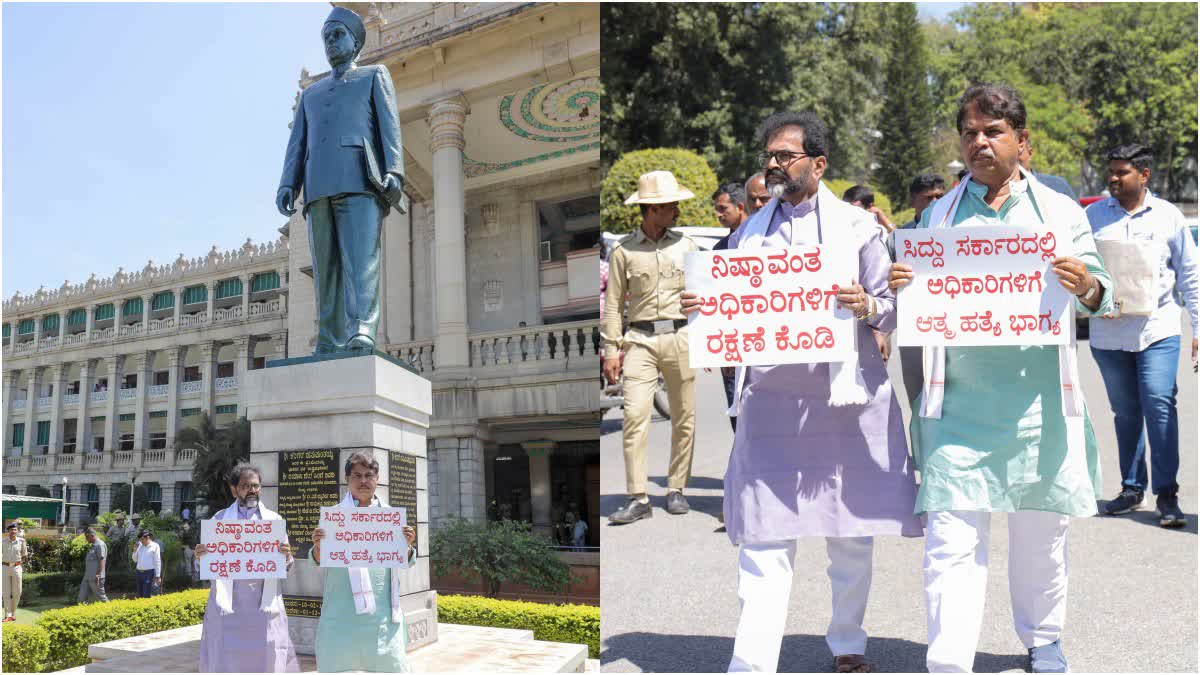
<point>489,284</point>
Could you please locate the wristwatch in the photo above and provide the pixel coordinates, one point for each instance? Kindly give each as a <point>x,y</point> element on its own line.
<point>1091,292</point>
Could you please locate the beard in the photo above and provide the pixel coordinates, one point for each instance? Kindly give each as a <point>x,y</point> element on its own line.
<point>248,502</point>
<point>783,185</point>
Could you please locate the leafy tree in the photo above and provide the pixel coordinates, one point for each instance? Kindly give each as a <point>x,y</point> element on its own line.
<point>141,498</point>
<point>689,169</point>
<point>217,452</point>
<point>907,119</point>
<point>498,551</point>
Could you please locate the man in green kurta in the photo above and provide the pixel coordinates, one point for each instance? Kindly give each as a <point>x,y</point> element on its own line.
<point>345,152</point>
<point>1004,429</point>
<point>357,632</point>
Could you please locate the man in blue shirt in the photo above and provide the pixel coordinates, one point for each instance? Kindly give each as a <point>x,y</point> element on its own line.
<point>1138,354</point>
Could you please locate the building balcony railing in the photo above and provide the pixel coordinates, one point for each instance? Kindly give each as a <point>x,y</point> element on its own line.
<point>121,460</point>
<point>159,390</point>
<point>99,396</point>
<point>156,327</point>
<point>44,401</point>
<point>193,387</point>
<point>565,342</point>
<point>560,343</point>
<point>18,404</point>
<point>129,394</point>
<point>71,400</point>
<point>223,384</point>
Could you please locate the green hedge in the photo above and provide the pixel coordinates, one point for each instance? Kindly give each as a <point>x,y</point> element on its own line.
<point>38,586</point>
<point>25,648</point>
<point>690,170</point>
<point>72,629</point>
<point>553,623</point>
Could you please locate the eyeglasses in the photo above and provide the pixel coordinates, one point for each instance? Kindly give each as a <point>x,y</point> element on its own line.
<point>784,158</point>
<point>364,477</point>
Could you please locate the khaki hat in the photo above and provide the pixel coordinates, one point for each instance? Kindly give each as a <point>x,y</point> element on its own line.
<point>659,187</point>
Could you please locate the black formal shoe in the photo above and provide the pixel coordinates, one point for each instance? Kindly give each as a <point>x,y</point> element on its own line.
<point>676,503</point>
<point>632,511</point>
<point>1129,499</point>
<point>1169,514</point>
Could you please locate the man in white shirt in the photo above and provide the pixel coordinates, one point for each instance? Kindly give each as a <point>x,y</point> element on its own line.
<point>1138,349</point>
<point>148,560</point>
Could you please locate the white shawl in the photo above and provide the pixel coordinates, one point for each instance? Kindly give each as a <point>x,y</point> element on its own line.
<point>272,599</point>
<point>846,385</point>
<point>1051,207</point>
<point>360,578</point>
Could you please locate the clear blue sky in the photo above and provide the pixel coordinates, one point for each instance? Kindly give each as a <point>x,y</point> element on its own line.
<point>139,131</point>
<point>937,10</point>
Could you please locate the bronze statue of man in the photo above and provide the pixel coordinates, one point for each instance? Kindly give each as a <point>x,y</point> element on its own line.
<point>345,152</point>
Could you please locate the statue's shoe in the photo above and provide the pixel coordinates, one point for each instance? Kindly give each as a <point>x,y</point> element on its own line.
<point>361,343</point>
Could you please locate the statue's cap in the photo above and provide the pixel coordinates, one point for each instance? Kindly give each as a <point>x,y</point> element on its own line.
<point>350,20</point>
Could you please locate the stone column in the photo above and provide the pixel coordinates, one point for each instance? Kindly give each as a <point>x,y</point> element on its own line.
<point>531,272</point>
<point>208,368</point>
<point>144,363</point>
<point>174,373</point>
<point>279,345</point>
<point>83,435</point>
<point>10,388</point>
<point>245,278</point>
<point>37,333</point>
<point>62,326</point>
<point>539,484</point>
<point>58,373</point>
<point>212,290</point>
<point>111,425</point>
<point>241,364</point>
<point>446,119</point>
<point>31,397</point>
<point>167,485</point>
<point>147,298</point>
<point>105,495</point>
<point>178,305</point>
<point>91,319</point>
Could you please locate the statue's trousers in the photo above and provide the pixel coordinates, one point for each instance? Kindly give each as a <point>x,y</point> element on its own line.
<point>343,235</point>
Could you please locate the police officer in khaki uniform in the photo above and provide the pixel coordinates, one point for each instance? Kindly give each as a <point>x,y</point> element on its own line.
<point>648,265</point>
<point>14,552</point>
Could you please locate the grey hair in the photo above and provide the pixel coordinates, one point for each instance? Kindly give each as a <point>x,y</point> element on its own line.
<point>235,476</point>
<point>363,458</point>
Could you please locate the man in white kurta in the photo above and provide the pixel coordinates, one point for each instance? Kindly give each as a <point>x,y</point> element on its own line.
<point>245,624</point>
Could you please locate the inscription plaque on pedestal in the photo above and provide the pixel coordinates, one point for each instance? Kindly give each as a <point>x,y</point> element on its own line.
<point>308,480</point>
<point>402,484</point>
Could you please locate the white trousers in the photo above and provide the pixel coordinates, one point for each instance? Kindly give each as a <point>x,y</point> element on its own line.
<point>956,559</point>
<point>765,589</point>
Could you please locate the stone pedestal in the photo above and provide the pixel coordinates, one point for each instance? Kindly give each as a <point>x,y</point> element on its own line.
<point>308,415</point>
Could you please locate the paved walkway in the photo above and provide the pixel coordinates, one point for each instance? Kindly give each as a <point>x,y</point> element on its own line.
<point>669,587</point>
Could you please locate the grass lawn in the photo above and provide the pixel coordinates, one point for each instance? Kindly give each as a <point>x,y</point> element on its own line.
<point>28,614</point>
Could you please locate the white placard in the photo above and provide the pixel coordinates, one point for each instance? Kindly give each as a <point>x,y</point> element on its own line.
<point>242,549</point>
<point>982,286</point>
<point>768,306</point>
<point>364,537</point>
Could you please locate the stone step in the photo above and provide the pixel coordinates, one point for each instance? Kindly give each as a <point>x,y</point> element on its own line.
<point>459,648</point>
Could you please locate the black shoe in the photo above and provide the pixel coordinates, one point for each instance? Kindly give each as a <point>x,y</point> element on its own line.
<point>632,511</point>
<point>1129,499</point>
<point>1169,514</point>
<point>676,503</point>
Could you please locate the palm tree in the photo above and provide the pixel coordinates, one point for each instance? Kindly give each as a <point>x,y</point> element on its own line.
<point>217,452</point>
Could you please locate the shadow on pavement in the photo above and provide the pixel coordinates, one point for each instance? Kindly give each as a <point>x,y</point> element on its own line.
<point>706,504</point>
<point>1149,516</point>
<point>610,426</point>
<point>649,652</point>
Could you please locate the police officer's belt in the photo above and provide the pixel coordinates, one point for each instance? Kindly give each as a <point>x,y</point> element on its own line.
<point>659,327</point>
